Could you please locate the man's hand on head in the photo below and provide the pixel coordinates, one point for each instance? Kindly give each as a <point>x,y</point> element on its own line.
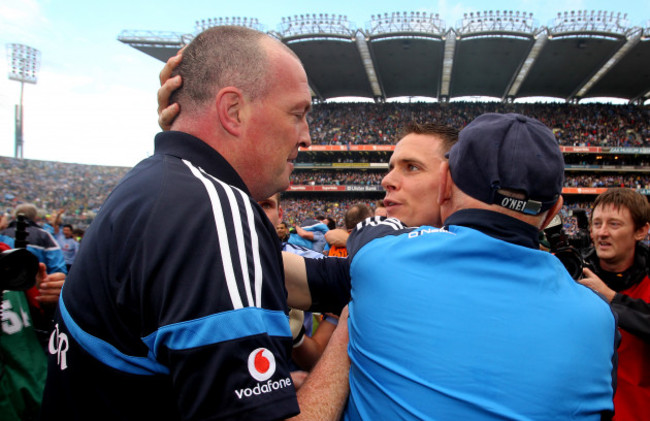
<point>166,112</point>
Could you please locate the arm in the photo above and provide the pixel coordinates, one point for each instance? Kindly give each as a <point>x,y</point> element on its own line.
<point>325,392</point>
<point>307,235</point>
<point>317,284</point>
<point>57,221</point>
<point>633,314</point>
<point>308,353</point>
<point>337,237</point>
<point>295,279</point>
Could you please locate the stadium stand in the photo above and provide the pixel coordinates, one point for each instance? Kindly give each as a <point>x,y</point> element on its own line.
<point>574,125</point>
<point>80,189</point>
<point>604,146</point>
<point>503,54</point>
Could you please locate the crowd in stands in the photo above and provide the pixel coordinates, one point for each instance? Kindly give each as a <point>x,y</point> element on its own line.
<point>298,209</point>
<point>81,189</point>
<point>574,125</point>
<point>339,178</point>
<point>342,178</point>
<point>636,181</point>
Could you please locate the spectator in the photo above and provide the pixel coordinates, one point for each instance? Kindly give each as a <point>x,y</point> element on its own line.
<point>65,237</point>
<point>40,242</point>
<point>311,234</point>
<point>283,231</point>
<point>620,262</point>
<point>44,297</point>
<point>353,216</point>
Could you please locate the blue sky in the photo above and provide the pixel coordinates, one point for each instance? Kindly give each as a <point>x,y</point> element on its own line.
<point>95,100</point>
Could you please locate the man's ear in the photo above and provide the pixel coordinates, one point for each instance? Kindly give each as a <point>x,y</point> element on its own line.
<point>641,232</point>
<point>229,104</point>
<point>444,189</point>
<point>280,212</point>
<point>552,212</point>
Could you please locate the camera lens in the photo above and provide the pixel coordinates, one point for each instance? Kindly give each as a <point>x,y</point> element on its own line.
<point>572,261</point>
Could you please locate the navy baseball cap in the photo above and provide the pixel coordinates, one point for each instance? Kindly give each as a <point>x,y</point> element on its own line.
<point>510,160</point>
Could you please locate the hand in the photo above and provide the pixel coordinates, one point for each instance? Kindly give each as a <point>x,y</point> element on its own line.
<point>332,315</point>
<point>167,113</point>
<point>56,219</point>
<point>296,322</point>
<point>49,286</point>
<point>591,280</point>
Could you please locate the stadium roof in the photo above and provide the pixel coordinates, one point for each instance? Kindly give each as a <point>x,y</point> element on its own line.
<point>501,54</point>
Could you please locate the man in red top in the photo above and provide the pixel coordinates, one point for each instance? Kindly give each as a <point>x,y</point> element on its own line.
<point>619,221</point>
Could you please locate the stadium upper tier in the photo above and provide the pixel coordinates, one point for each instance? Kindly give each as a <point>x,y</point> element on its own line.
<point>585,125</point>
<point>501,54</point>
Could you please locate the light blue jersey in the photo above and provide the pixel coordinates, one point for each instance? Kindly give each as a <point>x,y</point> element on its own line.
<point>454,324</point>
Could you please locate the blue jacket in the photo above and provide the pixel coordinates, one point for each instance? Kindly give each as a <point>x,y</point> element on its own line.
<point>40,243</point>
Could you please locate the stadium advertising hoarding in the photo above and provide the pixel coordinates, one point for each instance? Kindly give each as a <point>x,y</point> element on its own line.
<point>299,188</point>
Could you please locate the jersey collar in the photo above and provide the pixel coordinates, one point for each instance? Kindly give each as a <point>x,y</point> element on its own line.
<point>496,225</point>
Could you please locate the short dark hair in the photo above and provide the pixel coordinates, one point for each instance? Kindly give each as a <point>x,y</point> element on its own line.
<point>68,226</point>
<point>218,57</point>
<point>635,202</point>
<point>331,223</point>
<point>447,134</point>
<point>355,214</point>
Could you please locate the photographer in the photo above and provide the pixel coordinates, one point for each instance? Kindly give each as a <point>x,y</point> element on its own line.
<point>619,221</point>
<point>41,242</point>
<point>44,297</point>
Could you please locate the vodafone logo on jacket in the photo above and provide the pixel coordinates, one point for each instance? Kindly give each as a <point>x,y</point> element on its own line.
<point>261,364</point>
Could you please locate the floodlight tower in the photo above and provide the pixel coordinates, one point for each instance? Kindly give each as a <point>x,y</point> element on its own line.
<point>24,62</point>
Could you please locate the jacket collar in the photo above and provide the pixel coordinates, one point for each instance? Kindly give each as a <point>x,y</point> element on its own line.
<point>496,225</point>
<point>193,149</point>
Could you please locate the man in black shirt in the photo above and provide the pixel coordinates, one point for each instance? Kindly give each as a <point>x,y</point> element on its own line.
<point>176,308</point>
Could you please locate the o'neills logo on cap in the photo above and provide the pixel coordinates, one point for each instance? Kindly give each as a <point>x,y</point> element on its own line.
<point>261,364</point>
<point>517,202</point>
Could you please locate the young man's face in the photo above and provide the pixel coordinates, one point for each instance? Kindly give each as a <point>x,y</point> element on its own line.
<point>614,236</point>
<point>412,181</point>
<point>67,232</point>
<point>282,230</point>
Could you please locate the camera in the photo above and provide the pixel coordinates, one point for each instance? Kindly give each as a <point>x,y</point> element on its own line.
<point>571,251</point>
<point>18,266</point>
